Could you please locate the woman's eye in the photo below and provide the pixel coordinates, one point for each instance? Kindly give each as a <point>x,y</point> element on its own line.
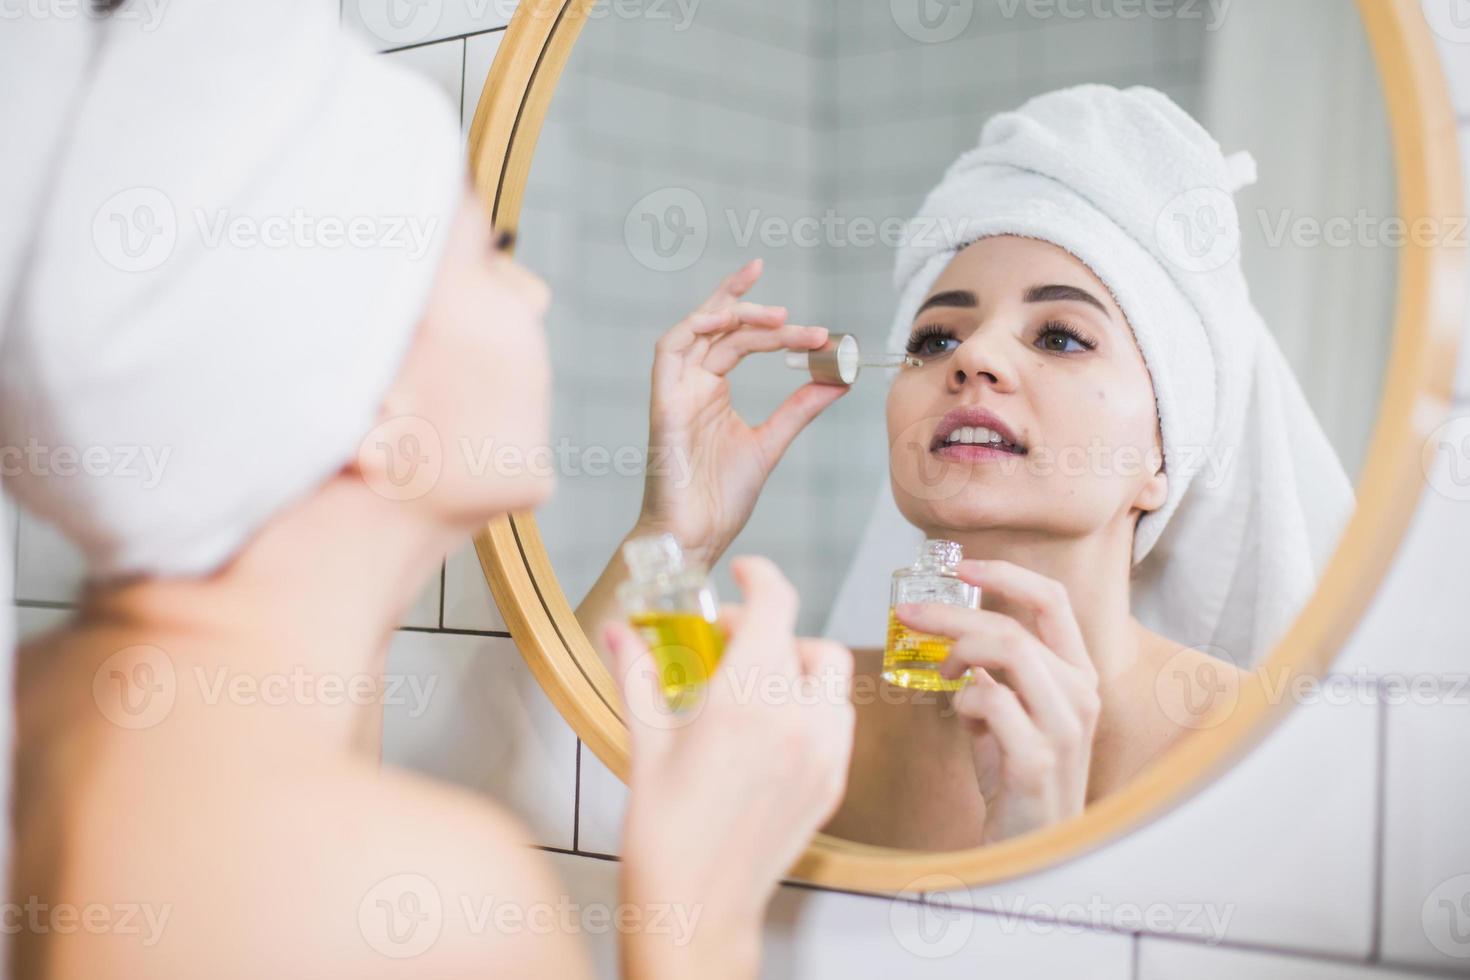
<point>1059,341</point>
<point>930,344</point>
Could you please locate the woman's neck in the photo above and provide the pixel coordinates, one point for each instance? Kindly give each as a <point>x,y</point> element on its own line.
<point>306,607</point>
<point>1095,571</point>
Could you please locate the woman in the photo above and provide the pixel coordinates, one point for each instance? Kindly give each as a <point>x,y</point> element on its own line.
<point>305,313</point>
<point>1102,418</point>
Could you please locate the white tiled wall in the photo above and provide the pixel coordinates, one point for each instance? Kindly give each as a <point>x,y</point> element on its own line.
<point>1339,849</point>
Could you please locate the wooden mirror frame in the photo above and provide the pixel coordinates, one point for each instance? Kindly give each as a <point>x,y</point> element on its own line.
<point>1418,393</point>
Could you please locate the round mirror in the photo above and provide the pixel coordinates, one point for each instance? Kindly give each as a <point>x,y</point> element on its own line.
<point>674,144</point>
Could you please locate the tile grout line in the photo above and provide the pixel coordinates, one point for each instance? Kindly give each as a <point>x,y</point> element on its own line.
<point>15,559</point>
<point>577,800</point>
<point>445,40</point>
<point>449,631</point>
<point>442,578</point>
<point>464,71</point>
<point>1137,938</point>
<point>1380,833</point>
<point>43,604</point>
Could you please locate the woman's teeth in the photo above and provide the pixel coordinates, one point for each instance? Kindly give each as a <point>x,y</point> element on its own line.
<point>975,436</point>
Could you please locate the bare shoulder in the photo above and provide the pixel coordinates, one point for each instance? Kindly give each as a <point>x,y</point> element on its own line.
<point>1185,684</point>
<point>1166,656</point>
<point>277,866</point>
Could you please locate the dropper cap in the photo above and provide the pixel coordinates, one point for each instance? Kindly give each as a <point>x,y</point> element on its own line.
<point>840,360</point>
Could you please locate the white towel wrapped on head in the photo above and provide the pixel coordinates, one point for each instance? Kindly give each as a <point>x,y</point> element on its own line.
<point>1140,193</point>
<point>238,244</point>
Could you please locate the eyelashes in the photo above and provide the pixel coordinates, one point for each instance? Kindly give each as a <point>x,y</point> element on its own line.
<point>919,341</point>
<point>921,336</point>
<point>1053,327</point>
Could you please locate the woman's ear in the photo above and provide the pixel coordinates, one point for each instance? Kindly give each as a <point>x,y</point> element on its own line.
<point>1154,492</point>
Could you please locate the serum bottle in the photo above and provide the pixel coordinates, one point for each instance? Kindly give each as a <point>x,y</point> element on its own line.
<point>912,659</point>
<point>672,604</point>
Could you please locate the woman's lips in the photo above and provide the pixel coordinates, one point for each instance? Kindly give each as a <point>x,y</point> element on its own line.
<point>968,453</point>
<point>973,433</point>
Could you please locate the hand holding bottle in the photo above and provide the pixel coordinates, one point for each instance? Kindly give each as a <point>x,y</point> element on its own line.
<point>726,795</point>
<point>727,461</point>
<point>1032,702</point>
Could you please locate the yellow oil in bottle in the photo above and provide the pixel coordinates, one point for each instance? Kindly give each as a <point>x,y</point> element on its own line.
<point>911,659</point>
<point>686,647</point>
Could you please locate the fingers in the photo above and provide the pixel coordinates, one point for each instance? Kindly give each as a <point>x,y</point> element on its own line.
<point>828,665</point>
<point>826,659</point>
<point>689,340</point>
<point>735,285</point>
<point>769,620</point>
<point>1019,654</point>
<point>737,315</point>
<point>1025,748</point>
<point>683,335</point>
<point>997,642</point>
<point>638,680</point>
<point>731,617</point>
<point>1044,598</point>
<point>728,351</point>
<point>776,433</point>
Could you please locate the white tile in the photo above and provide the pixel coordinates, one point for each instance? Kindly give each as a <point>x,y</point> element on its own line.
<point>49,567</point>
<point>1164,959</point>
<point>602,799</point>
<point>479,55</point>
<point>1426,851</point>
<point>31,621</point>
<point>477,717</point>
<point>816,934</point>
<point>442,64</point>
<point>1278,852</point>
<point>468,604</point>
<point>1417,621</point>
<point>398,23</point>
<point>425,611</point>
<point>591,882</point>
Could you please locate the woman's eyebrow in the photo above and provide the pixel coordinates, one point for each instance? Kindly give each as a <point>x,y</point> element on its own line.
<point>1049,293</point>
<point>962,298</point>
<point>1054,292</point>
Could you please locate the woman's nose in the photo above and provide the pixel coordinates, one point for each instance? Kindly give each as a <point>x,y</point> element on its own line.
<point>979,360</point>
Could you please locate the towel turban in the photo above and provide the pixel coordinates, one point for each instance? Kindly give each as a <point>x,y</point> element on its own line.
<point>239,234</point>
